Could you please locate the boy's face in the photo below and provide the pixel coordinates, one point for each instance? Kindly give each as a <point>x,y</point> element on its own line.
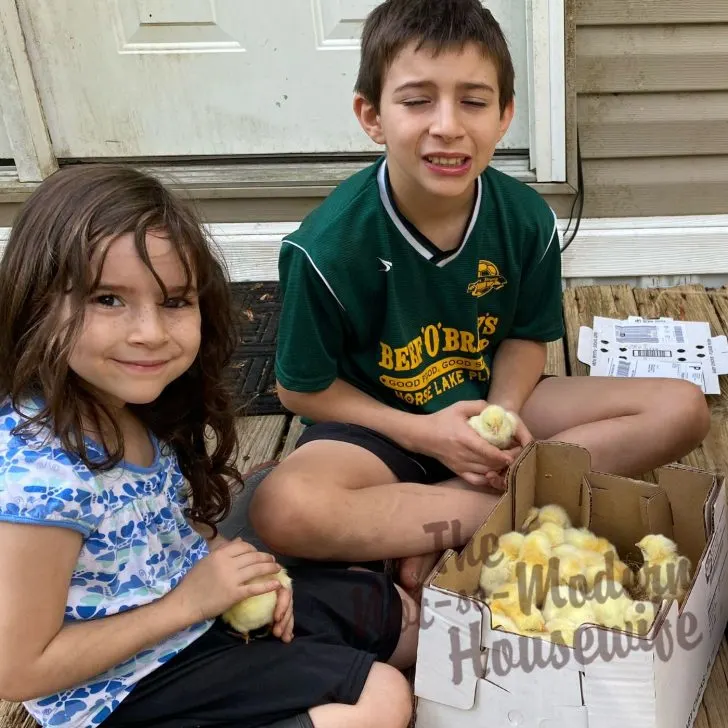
<point>439,118</point>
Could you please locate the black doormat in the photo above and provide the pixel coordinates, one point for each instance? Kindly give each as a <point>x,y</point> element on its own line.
<point>251,375</point>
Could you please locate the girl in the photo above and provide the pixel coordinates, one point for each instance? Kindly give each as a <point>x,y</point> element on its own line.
<point>116,328</point>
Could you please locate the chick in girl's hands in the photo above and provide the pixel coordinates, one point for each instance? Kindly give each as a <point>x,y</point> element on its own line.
<point>259,610</point>
<point>242,585</point>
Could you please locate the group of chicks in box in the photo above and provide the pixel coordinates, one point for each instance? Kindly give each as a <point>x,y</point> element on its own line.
<point>549,578</point>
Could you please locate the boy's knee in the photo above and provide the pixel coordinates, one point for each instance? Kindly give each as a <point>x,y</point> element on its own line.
<point>688,410</point>
<point>286,512</point>
<point>390,691</point>
<point>277,511</point>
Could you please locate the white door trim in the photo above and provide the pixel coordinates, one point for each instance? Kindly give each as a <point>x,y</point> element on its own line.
<point>546,43</point>
<point>20,106</point>
<point>603,248</point>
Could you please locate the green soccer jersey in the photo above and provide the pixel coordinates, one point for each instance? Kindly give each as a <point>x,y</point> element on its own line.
<point>368,299</point>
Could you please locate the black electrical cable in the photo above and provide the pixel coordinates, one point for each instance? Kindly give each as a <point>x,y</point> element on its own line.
<point>578,199</point>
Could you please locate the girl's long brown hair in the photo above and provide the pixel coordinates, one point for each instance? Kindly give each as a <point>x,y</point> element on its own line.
<point>69,217</point>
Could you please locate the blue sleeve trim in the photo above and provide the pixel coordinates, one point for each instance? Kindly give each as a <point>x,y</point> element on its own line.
<point>74,526</point>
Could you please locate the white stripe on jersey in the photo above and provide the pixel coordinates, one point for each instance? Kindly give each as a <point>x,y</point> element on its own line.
<point>408,236</point>
<point>315,267</point>
<point>554,236</point>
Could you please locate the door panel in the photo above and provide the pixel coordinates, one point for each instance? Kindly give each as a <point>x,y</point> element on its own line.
<point>145,78</point>
<point>5,150</point>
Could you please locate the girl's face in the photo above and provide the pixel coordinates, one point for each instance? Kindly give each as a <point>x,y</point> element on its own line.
<point>133,342</point>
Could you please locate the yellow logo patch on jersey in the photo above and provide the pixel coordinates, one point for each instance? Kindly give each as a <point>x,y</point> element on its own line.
<point>489,279</point>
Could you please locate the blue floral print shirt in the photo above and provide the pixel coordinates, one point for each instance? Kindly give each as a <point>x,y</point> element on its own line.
<point>136,547</point>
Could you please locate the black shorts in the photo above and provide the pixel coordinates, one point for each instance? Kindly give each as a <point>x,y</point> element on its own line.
<point>408,467</point>
<point>344,621</point>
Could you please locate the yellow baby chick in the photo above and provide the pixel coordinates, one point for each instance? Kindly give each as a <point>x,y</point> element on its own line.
<point>576,567</point>
<point>508,601</point>
<point>530,522</point>
<point>511,543</point>
<point>554,533</point>
<point>256,611</point>
<point>532,565</point>
<point>498,568</point>
<point>500,621</point>
<point>536,517</point>
<point>561,630</point>
<point>665,574</point>
<point>609,602</point>
<point>495,425</point>
<point>583,538</point>
<point>535,549</point>
<point>565,610</point>
<point>639,616</point>
<point>600,567</point>
<point>554,514</point>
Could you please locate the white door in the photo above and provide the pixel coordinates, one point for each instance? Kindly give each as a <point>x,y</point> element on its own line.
<point>6,151</point>
<point>148,78</point>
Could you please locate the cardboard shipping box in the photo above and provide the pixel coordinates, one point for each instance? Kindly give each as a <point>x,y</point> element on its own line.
<point>469,674</point>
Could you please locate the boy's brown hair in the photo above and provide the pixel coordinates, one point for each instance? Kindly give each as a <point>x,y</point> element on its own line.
<point>66,223</point>
<point>437,25</point>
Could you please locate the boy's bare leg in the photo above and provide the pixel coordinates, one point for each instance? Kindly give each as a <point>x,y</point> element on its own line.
<point>630,426</point>
<point>333,500</point>
<point>383,685</point>
<point>385,702</point>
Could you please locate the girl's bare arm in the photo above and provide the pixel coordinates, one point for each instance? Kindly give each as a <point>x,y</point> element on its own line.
<point>41,655</point>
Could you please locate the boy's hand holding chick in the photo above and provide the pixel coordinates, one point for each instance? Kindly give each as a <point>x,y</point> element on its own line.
<point>447,436</point>
<point>231,573</point>
<point>502,429</point>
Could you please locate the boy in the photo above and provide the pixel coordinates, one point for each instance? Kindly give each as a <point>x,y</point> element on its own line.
<point>422,288</point>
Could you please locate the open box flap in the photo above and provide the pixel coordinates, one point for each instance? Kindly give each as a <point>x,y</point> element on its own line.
<point>548,473</point>
<point>684,487</point>
<point>625,510</point>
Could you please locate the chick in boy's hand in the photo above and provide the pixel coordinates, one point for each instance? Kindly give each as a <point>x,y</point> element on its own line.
<point>496,425</point>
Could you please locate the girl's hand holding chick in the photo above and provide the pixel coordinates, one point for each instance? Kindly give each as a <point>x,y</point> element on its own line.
<point>447,436</point>
<point>218,581</point>
<point>283,615</point>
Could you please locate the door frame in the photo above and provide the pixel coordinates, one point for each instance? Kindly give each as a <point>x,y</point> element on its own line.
<point>550,166</point>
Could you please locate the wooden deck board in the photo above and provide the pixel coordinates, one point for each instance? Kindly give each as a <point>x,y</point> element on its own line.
<point>264,439</point>
<point>693,303</point>
<point>580,307</point>
<point>556,358</point>
<point>713,712</point>
<point>294,432</point>
<point>260,439</point>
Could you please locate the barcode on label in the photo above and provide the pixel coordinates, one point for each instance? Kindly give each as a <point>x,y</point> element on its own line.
<point>679,335</point>
<point>623,369</point>
<point>654,353</point>
<point>636,334</point>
